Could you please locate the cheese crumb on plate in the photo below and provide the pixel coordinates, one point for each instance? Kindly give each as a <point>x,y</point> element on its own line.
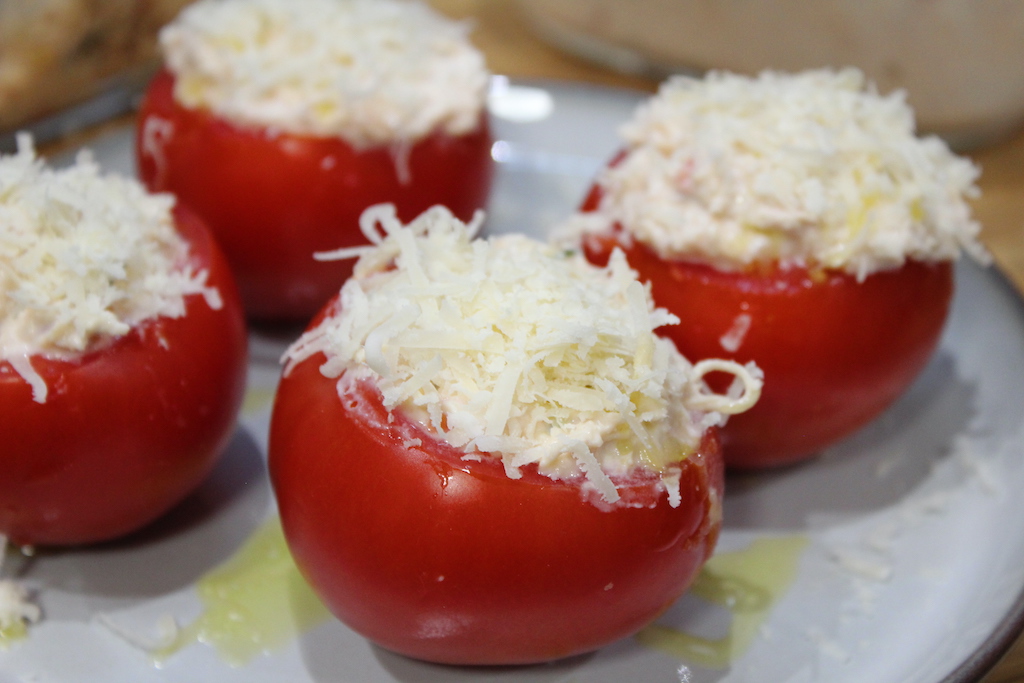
<point>17,610</point>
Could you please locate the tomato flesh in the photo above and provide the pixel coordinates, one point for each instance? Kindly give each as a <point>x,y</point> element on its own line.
<point>448,560</point>
<point>129,429</point>
<point>835,352</point>
<point>273,199</point>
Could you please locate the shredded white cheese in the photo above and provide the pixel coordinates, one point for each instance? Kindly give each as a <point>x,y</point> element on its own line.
<point>518,349</point>
<point>871,567</point>
<point>813,169</point>
<point>733,338</point>
<point>371,71</point>
<point>84,257</point>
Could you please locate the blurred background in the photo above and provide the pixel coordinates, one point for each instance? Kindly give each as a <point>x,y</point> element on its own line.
<point>960,61</point>
<point>59,53</point>
<point>68,64</point>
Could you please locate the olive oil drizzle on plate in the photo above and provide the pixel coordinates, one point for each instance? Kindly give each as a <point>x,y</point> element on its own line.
<point>256,602</point>
<point>747,583</point>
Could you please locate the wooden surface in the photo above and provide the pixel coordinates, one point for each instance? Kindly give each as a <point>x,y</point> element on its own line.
<point>512,49</point>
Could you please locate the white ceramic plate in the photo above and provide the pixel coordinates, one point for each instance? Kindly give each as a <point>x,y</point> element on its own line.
<point>902,545</point>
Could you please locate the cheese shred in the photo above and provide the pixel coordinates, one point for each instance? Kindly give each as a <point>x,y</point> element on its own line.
<point>517,349</point>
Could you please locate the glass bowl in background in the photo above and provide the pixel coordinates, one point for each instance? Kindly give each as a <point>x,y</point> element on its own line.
<point>961,62</point>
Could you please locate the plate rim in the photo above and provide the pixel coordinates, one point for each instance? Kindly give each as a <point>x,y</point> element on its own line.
<point>1010,628</point>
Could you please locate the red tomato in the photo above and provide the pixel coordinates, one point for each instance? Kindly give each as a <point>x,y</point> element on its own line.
<point>273,200</point>
<point>451,561</point>
<point>835,352</point>
<point>129,429</point>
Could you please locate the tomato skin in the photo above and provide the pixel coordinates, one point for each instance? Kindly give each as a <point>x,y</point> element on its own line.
<point>129,429</point>
<point>835,352</point>
<point>273,200</point>
<point>451,561</point>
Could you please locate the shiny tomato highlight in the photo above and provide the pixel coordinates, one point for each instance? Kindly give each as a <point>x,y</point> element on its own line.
<point>835,352</point>
<point>273,199</point>
<point>128,429</point>
<point>449,560</point>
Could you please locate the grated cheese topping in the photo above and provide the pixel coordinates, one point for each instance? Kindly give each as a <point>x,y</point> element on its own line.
<point>84,257</point>
<point>813,169</point>
<point>521,350</point>
<point>371,71</point>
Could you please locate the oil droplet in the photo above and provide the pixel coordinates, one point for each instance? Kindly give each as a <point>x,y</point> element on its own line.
<point>254,603</point>
<point>257,399</point>
<point>15,602</point>
<point>748,583</point>
<point>8,634</point>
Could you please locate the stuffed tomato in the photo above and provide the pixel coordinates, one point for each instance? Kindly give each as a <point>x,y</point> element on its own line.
<point>482,454</point>
<point>793,220</point>
<point>122,353</point>
<point>279,121</point>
